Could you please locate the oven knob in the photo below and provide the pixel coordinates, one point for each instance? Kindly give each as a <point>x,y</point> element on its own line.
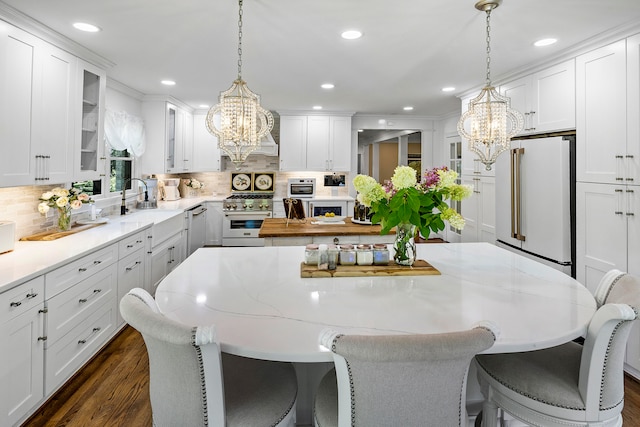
<point>234,206</point>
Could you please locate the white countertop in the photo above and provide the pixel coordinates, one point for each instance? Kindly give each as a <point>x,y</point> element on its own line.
<point>262,308</point>
<point>30,259</point>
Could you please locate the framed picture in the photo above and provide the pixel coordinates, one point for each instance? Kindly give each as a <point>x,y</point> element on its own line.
<point>263,181</point>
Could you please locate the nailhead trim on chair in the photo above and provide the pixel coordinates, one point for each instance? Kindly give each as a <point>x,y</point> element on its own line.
<point>606,358</point>
<point>203,385</point>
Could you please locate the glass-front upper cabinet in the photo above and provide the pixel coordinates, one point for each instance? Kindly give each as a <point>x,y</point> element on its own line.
<point>90,163</point>
<point>455,163</point>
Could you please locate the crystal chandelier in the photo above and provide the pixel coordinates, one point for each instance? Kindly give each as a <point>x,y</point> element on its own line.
<point>238,121</point>
<point>493,121</point>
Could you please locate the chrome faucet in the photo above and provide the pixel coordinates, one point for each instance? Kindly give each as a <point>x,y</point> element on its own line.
<point>123,207</point>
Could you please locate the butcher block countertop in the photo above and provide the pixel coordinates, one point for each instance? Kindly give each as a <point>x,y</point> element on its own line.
<point>277,227</point>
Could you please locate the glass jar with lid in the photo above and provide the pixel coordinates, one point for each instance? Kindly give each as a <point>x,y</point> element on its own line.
<point>311,254</point>
<point>380,254</point>
<point>364,255</point>
<point>347,255</point>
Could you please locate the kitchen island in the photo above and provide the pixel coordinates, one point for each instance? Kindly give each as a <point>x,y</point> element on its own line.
<point>276,232</point>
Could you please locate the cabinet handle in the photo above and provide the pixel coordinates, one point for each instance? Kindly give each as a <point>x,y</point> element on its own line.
<point>43,311</point>
<point>30,295</point>
<point>137,263</point>
<point>83,300</point>
<point>84,341</point>
<point>618,210</point>
<point>619,160</point>
<point>82,270</point>
<point>133,244</point>
<point>42,338</point>
<point>629,208</point>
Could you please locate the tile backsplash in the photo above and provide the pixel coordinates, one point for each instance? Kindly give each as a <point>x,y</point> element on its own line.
<point>20,204</point>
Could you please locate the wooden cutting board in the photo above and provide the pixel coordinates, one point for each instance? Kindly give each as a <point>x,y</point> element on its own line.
<point>53,235</point>
<point>419,268</point>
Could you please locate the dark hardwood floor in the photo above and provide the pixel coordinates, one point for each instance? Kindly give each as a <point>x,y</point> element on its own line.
<point>113,390</point>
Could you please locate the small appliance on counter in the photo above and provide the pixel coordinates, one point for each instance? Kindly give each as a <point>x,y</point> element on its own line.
<point>170,190</point>
<point>301,188</point>
<point>7,236</point>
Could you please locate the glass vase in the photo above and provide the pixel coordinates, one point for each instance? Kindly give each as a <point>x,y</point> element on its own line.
<point>405,245</point>
<point>64,219</point>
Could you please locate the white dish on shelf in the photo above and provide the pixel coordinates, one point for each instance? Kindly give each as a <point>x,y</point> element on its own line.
<point>330,218</point>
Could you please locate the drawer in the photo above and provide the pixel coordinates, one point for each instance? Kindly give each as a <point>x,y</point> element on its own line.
<point>64,358</point>
<point>20,299</point>
<point>131,274</point>
<point>66,276</point>
<point>70,308</point>
<point>130,244</point>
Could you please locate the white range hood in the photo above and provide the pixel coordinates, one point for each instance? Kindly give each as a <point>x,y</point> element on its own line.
<point>268,147</point>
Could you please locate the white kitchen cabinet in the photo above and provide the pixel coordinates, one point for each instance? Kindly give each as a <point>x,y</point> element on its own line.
<point>206,154</point>
<point>479,210</point>
<point>214,217</point>
<point>81,301</point>
<point>179,142</point>
<point>169,136</point>
<point>89,142</point>
<point>37,110</point>
<point>21,350</point>
<point>293,143</point>
<point>546,98</point>
<point>131,271</point>
<point>164,258</point>
<point>604,151</point>
<point>608,231</point>
<point>315,142</point>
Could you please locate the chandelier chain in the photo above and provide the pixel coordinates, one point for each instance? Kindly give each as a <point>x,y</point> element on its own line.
<point>240,40</point>
<point>489,47</point>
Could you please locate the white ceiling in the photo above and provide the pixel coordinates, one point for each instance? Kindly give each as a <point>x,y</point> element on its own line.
<point>409,51</point>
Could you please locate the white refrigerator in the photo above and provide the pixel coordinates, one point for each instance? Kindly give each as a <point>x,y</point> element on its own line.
<point>534,199</point>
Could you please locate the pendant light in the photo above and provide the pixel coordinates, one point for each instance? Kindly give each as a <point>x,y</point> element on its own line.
<point>493,121</point>
<point>238,121</point>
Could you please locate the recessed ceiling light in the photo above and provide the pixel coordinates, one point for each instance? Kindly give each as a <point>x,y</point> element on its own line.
<point>545,42</point>
<point>448,89</point>
<point>168,82</point>
<point>203,106</point>
<point>317,107</point>
<point>351,34</point>
<point>327,86</point>
<point>408,108</point>
<point>83,26</point>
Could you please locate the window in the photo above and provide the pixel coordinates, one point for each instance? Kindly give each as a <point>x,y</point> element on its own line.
<point>92,188</point>
<point>121,170</point>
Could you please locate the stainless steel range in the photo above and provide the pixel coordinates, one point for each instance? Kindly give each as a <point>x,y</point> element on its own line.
<point>243,216</point>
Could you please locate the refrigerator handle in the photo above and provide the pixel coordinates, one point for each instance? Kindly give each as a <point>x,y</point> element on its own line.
<point>516,190</point>
<point>514,156</point>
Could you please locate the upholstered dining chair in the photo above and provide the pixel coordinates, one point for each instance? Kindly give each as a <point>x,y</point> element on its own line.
<point>570,384</point>
<point>399,380</point>
<point>193,384</point>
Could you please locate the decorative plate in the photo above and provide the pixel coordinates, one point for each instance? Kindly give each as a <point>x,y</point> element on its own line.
<point>240,182</point>
<point>263,182</point>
